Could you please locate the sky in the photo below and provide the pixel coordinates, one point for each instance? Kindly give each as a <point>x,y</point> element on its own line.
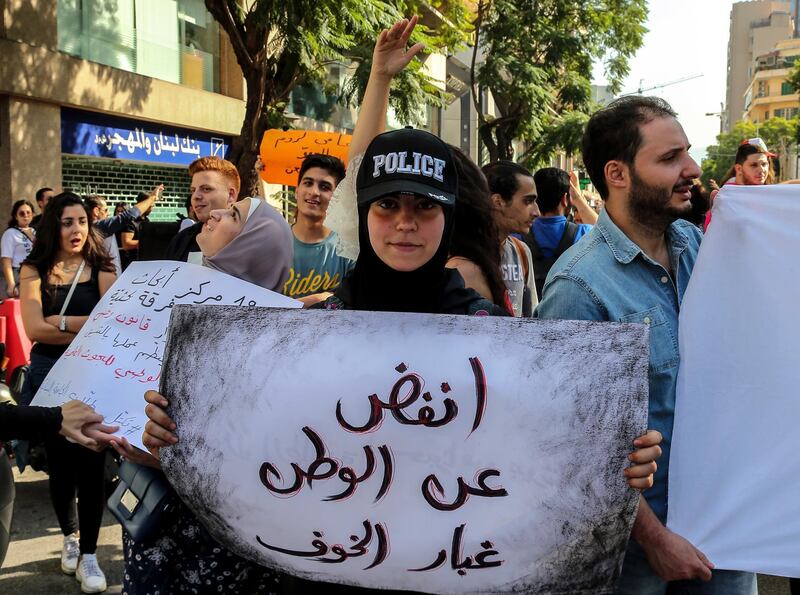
<point>685,38</point>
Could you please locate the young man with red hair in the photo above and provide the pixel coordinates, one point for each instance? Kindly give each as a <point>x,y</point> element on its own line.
<point>215,185</point>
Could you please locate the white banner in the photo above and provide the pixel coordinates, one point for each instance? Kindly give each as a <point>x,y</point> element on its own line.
<point>733,485</point>
<point>445,454</point>
<point>117,354</point>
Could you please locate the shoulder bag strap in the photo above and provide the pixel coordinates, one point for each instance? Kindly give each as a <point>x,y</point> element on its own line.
<point>72,288</point>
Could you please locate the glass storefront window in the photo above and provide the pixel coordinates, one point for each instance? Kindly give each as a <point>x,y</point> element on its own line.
<point>313,101</point>
<point>171,40</point>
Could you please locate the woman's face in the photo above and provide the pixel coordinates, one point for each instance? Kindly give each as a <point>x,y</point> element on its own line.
<point>24,215</point>
<point>405,230</point>
<point>222,226</point>
<point>118,210</point>
<point>74,229</point>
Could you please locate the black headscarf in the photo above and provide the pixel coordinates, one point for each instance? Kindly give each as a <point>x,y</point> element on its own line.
<point>432,288</point>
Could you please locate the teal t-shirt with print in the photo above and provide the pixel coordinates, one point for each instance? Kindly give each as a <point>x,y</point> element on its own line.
<point>316,268</point>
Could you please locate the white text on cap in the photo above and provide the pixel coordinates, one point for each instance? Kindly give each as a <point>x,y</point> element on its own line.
<point>424,165</point>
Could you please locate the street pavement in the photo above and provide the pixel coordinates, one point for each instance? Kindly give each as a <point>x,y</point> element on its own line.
<point>32,565</point>
<point>33,562</point>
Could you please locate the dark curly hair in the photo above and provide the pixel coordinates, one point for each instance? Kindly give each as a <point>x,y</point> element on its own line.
<point>48,239</point>
<point>13,221</point>
<point>475,235</point>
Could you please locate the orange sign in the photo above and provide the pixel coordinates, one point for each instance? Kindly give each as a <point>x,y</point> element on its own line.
<point>282,152</point>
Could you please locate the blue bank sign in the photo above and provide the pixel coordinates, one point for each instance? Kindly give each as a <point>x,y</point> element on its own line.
<point>98,135</point>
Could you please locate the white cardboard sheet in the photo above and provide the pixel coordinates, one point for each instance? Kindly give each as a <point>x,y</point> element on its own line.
<point>734,485</point>
<point>445,454</point>
<point>117,355</point>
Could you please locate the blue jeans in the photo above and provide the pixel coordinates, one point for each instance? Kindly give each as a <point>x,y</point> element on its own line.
<point>639,579</point>
<point>38,369</point>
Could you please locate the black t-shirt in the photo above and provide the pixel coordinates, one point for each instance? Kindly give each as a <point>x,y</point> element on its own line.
<point>183,243</point>
<point>84,299</point>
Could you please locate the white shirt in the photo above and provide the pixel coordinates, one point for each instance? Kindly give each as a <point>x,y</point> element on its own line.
<point>15,245</point>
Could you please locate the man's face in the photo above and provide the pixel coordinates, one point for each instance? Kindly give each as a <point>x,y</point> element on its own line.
<point>210,191</point>
<point>517,214</point>
<point>754,170</point>
<point>45,199</point>
<point>100,212</point>
<point>313,193</point>
<point>662,173</point>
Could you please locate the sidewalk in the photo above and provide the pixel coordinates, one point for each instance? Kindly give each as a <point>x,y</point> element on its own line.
<point>33,562</point>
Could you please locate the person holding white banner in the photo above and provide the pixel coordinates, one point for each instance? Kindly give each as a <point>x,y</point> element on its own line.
<point>634,267</point>
<point>61,281</point>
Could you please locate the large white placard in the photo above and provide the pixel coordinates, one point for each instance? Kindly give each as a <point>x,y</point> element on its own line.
<point>733,485</point>
<point>436,453</point>
<point>117,354</point>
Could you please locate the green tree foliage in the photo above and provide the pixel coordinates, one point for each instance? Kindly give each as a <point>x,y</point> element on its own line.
<point>794,76</point>
<point>778,134</point>
<point>537,62</point>
<point>282,44</point>
<point>561,134</point>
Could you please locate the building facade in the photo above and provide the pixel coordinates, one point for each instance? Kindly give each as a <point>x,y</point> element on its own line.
<point>769,95</point>
<point>113,97</point>
<point>755,29</point>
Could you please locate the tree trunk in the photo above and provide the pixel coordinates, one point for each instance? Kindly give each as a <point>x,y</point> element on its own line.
<point>485,132</point>
<point>498,142</point>
<point>244,149</point>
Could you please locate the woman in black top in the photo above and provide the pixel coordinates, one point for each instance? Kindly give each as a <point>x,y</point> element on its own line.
<point>67,249</point>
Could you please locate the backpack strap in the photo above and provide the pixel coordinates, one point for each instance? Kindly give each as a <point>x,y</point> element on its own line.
<point>567,239</point>
<point>542,264</point>
<point>520,248</point>
<point>530,240</point>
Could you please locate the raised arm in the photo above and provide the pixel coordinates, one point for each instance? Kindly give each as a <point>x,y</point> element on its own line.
<point>588,214</point>
<point>112,225</point>
<point>389,57</point>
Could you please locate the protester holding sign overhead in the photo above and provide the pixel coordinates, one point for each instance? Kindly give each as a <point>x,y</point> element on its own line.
<point>61,281</point>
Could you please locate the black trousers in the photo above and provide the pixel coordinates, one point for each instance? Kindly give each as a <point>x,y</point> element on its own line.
<point>77,471</point>
<point>74,471</point>
<point>795,586</point>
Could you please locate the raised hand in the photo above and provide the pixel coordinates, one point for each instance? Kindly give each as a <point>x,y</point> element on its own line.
<point>391,55</point>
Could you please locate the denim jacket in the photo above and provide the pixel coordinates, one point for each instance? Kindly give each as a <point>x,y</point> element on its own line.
<point>606,277</point>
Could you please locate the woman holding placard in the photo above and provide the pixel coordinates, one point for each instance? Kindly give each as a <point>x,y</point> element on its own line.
<point>407,196</point>
<point>252,242</point>
<point>61,281</point>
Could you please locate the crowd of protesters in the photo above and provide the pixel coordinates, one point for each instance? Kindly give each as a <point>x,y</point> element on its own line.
<point>411,225</point>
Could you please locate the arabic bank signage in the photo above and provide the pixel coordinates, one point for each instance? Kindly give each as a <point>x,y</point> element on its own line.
<point>98,135</point>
